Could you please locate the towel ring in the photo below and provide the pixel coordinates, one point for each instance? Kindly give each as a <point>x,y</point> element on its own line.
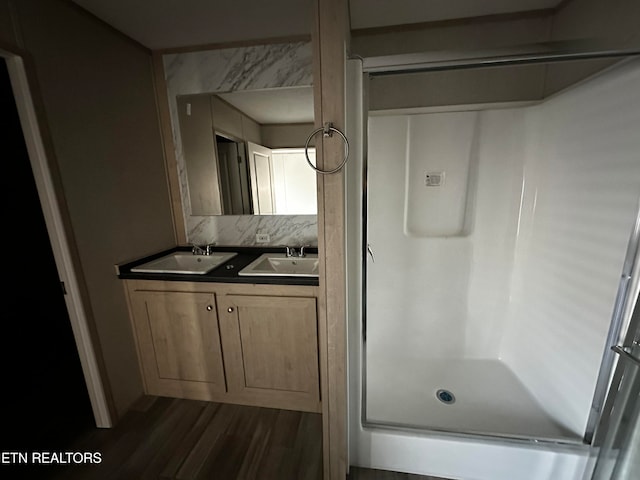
<point>327,130</point>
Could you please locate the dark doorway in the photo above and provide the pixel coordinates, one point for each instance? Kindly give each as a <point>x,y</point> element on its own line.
<point>45,400</point>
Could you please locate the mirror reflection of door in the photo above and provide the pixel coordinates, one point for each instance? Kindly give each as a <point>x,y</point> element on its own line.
<point>294,182</point>
<point>281,181</point>
<point>261,174</point>
<point>234,181</point>
<point>243,153</point>
<point>254,179</point>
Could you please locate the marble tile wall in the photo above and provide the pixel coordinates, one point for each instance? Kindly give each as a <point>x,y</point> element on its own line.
<point>244,68</point>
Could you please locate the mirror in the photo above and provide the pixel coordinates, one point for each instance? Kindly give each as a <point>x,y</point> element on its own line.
<point>244,152</point>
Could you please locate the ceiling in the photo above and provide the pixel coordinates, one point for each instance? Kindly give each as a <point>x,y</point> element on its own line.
<point>166,24</point>
<point>384,13</point>
<point>281,105</point>
<point>160,24</point>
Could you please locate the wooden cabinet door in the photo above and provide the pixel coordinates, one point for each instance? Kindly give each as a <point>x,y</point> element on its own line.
<point>179,343</point>
<point>271,350</point>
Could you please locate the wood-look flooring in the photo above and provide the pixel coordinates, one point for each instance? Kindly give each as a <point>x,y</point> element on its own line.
<point>166,439</point>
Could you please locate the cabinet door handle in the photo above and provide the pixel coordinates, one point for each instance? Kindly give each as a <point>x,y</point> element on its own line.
<point>209,308</point>
<point>230,309</point>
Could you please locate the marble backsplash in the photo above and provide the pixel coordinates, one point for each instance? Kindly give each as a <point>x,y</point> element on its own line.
<point>289,230</point>
<point>225,70</point>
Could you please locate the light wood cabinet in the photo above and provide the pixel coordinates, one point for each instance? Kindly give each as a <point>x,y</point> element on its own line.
<point>234,343</point>
<point>178,343</point>
<point>271,348</point>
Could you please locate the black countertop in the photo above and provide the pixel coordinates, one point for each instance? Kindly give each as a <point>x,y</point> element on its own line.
<point>225,273</point>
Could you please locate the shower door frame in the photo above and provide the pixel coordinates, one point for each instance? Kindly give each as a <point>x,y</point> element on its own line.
<point>629,285</point>
<point>615,429</point>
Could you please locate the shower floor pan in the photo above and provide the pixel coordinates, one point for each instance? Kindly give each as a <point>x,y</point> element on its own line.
<point>487,399</point>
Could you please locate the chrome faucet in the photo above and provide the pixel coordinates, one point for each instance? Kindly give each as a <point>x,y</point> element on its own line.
<point>202,250</point>
<point>291,251</point>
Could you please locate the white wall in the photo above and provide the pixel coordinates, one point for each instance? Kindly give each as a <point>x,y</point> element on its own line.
<point>582,184</point>
<point>432,294</point>
<point>412,297</point>
<point>495,226</point>
<point>440,147</point>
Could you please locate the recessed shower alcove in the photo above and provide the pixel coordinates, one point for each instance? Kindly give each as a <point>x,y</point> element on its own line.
<point>495,233</point>
<point>500,283</point>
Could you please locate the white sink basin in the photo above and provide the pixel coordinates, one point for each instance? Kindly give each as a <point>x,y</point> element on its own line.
<point>185,263</point>
<point>278,264</point>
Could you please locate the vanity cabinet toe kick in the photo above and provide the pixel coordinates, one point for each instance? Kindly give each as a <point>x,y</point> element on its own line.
<point>247,344</point>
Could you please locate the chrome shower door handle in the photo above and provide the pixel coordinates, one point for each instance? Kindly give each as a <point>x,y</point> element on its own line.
<point>626,354</point>
<point>370,252</point>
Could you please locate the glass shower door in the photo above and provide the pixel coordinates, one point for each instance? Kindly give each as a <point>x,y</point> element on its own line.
<point>619,454</point>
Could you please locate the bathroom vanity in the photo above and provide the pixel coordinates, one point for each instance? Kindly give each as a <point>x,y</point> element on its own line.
<point>226,337</point>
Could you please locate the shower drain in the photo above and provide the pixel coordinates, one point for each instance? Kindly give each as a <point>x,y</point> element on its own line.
<point>445,396</point>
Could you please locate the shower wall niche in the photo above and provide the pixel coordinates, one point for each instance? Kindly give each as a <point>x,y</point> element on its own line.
<point>439,168</point>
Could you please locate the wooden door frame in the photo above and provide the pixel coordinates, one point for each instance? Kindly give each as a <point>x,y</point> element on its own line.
<point>330,42</point>
<point>66,260</point>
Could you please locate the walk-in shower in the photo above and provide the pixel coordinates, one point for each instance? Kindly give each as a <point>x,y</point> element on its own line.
<point>497,214</point>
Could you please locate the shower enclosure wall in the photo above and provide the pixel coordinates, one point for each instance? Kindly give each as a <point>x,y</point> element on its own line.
<point>496,238</point>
